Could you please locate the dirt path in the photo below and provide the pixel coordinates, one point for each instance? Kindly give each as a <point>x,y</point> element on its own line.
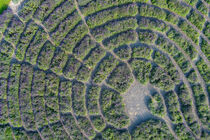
<point>14,6</point>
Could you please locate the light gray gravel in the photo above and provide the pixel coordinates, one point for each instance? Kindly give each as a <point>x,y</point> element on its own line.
<point>135,102</point>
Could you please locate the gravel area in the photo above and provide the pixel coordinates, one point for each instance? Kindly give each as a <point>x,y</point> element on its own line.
<point>135,102</point>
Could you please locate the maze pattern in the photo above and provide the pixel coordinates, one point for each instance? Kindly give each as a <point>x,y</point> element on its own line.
<point>64,65</point>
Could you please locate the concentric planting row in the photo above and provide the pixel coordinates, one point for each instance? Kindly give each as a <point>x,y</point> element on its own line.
<point>65,64</point>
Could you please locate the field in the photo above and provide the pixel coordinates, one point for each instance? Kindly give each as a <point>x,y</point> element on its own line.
<point>105,70</point>
<point>3,5</point>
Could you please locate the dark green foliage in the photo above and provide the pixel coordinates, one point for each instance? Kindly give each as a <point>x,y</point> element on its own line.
<point>206,30</point>
<point>205,47</point>
<point>4,110</point>
<point>147,36</point>
<point>178,7</point>
<point>64,27</point>
<point>142,52</point>
<point>202,8</point>
<point>191,2</point>
<point>172,105</point>
<point>38,87</point>
<point>58,61</point>
<point>189,31</point>
<point>93,57</point>
<point>151,11</point>
<point>165,45</point>
<point>71,126</point>
<point>196,19</point>
<point>47,133</point>
<point>78,98</point>
<point>51,97</point>
<point>25,39</point>
<point>35,46</point>
<point>183,63</point>
<point>92,99</point>
<point>85,125</point>
<point>98,122</point>
<point>65,66</point>
<point>12,95</point>
<point>187,108</point>
<point>202,105</point>
<point>141,70</point>
<point>156,106</point>
<point>152,129</point>
<point>6,48</point>
<point>98,5</point>
<point>58,14</point>
<point>45,8</point>
<point>123,52</point>
<point>83,47</point>
<point>45,55</point>
<point>182,132</point>
<point>113,27</point>
<point>161,79</point>
<point>19,134</point>
<point>6,133</point>
<point>150,23</point>
<point>73,37</point>
<point>107,64</point>
<point>178,38</point>
<point>112,13</point>
<point>71,67</point>
<point>192,76</point>
<point>163,61</point>
<point>111,133</point>
<point>120,78</point>
<point>25,97</point>
<point>65,100</point>
<point>59,131</point>
<point>122,38</point>
<point>5,19</point>
<point>83,73</point>
<point>204,70</point>
<point>111,101</point>
<point>4,65</point>
<point>28,8</point>
<point>14,30</point>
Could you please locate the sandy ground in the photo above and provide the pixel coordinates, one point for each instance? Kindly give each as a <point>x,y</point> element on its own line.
<point>14,6</point>
<point>135,102</point>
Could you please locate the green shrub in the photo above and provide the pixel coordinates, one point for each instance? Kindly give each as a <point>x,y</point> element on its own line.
<point>141,70</point>
<point>65,100</point>
<point>45,55</point>
<point>92,100</point>
<point>35,46</point>
<point>202,8</point>
<point>172,105</point>
<point>152,129</point>
<point>113,27</point>
<point>123,38</point>
<point>123,52</point>
<point>113,109</point>
<point>196,19</point>
<point>204,70</point>
<point>106,65</point>
<point>120,78</point>
<point>78,98</point>
<point>85,125</point>
<point>98,122</point>
<point>112,13</point>
<point>156,106</point>
<point>111,133</point>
